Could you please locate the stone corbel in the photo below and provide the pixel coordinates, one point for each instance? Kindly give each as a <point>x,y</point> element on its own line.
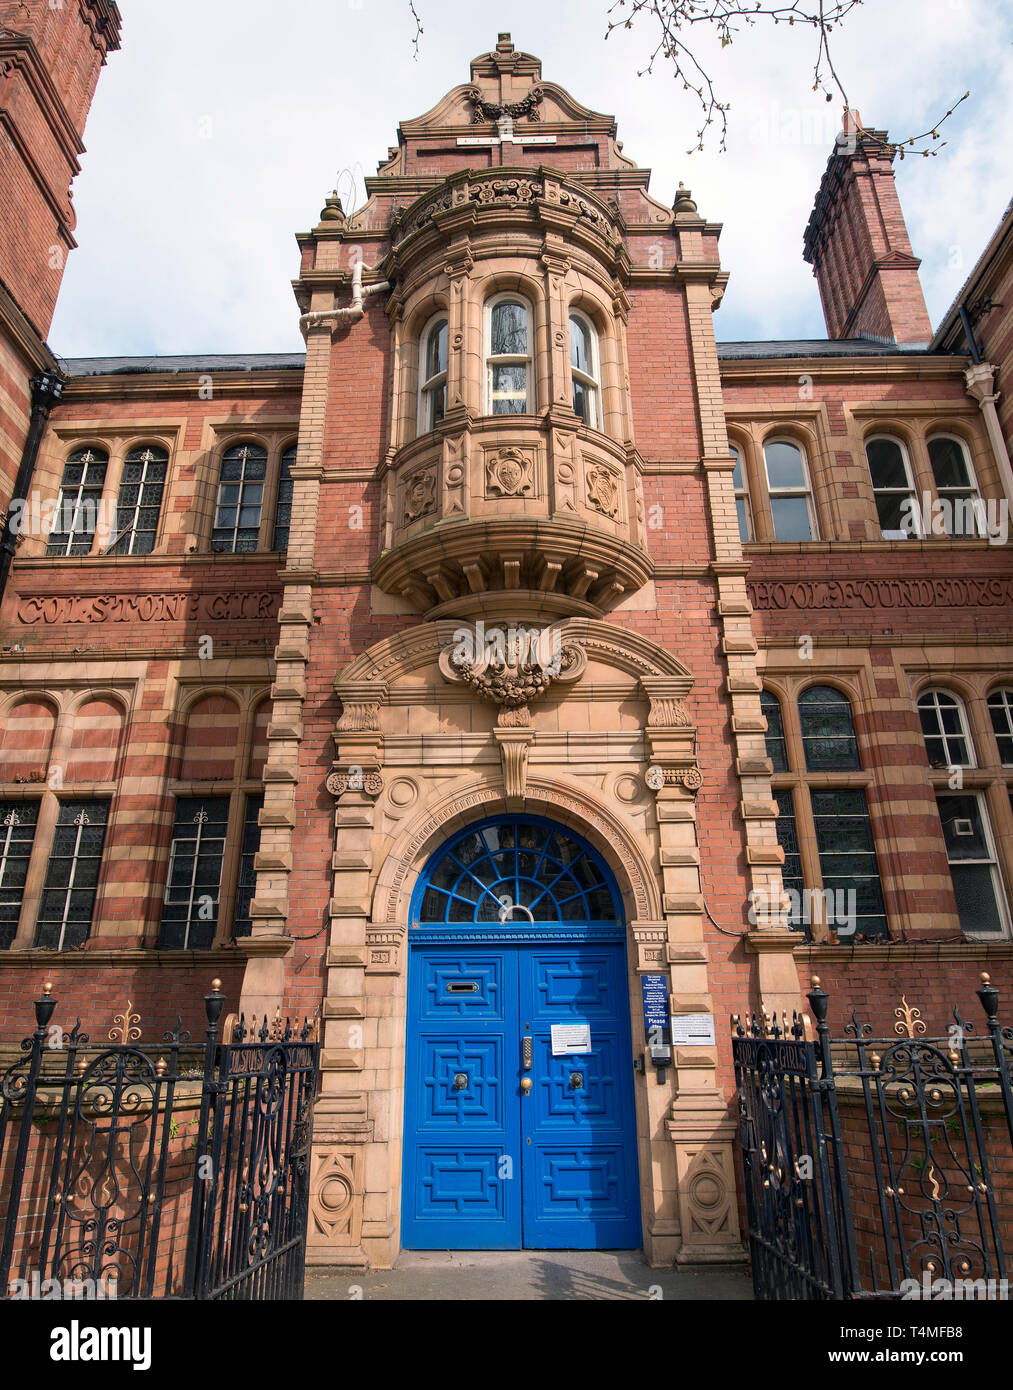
<point>513,752</point>
<point>360,705</point>
<point>383,947</point>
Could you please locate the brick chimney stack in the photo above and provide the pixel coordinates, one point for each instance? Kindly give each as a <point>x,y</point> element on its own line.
<point>858,246</point>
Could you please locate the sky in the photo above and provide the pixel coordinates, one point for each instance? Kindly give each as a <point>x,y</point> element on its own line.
<point>221,125</point>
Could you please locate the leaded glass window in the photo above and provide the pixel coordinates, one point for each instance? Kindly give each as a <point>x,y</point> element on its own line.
<point>283,512</point>
<point>517,871</point>
<point>848,862</point>
<point>190,911</point>
<point>140,501</point>
<point>240,499</point>
<point>17,835</point>
<point>68,899</point>
<point>777,750</point>
<point>828,733</point>
<point>787,838</point>
<point>243,923</point>
<point>84,477</point>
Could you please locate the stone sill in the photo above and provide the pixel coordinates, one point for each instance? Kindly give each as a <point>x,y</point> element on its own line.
<point>866,953</point>
<point>141,956</point>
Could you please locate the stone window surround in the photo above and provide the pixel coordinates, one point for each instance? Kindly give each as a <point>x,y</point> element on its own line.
<point>276,442</point>
<point>65,705</point>
<point>749,430</point>
<point>799,782</point>
<point>238,788</point>
<point>117,444</point>
<point>464,295</point>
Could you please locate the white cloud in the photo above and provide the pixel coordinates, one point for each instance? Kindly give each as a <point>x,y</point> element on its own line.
<point>219,128</point>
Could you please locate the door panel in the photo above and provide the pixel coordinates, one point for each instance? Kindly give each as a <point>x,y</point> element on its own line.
<point>580,1168</point>
<point>486,1167</point>
<point>462,1120</point>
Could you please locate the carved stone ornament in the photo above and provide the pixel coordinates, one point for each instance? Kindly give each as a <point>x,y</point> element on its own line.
<point>512,667</point>
<point>492,111</point>
<point>359,716</point>
<point>668,713</point>
<point>355,780</point>
<point>508,474</point>
<point>419,495</point>
<point>689,777</point>
<point>603,491</point>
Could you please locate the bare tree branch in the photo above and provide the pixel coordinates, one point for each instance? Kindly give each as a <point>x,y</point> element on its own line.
<point>419,31</point>
<point>676,19</point>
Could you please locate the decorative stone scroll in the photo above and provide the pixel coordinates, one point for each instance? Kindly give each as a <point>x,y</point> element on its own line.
<point>512,667</point>
<point>483,110</point>
<point>356,780</point>
<point>689,777</point>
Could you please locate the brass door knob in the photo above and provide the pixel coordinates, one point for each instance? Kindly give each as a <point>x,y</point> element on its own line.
<point>525,1084</point>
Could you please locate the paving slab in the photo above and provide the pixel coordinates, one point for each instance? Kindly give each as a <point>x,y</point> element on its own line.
<point>531,1275</point>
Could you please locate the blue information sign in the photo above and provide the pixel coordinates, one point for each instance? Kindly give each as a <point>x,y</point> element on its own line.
<point>656,1014</point>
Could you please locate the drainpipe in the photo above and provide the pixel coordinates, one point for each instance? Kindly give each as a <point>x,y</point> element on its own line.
<point>46,391</point>
<point>353,312</point>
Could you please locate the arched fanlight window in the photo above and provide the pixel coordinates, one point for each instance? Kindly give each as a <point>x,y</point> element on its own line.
<point>433,374</point>
<point>893,489</point>
<point>944,727</point>
<point>508,356</point>
<point>240,499</point>
<point>517,871</point>
<point>741,487</point>
<point>828,732</point>
<point>1000,707</point>
<point>777,749</point>
<point>585,371</point>
<point>956,487</point>
<point>791,504</point>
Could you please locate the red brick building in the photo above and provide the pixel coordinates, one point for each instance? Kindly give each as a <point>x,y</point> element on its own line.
<point>254,713</point>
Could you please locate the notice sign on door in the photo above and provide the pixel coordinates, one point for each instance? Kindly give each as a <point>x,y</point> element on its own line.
<point>693,1030</point>
<point>570,1037</point>
<point>656,1020</point>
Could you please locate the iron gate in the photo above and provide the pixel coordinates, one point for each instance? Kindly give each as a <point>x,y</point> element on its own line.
<point>876,1168</point>
<point>181,1174</point>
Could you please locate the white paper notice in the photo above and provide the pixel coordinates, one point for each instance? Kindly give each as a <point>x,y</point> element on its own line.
<point>693,1030</point>
<point>570,1037</point>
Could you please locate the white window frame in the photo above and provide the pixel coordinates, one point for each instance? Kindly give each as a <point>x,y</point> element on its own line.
<point>742,493</point>
<point>428,386</point>
<point>1003,694</point>
<point>807,492</point>
<point>992,863</point>
<point>591,381</point>
<point>242,484</point>
<point>508,359</point>
<point>933,693</point>
<point>908,491</point>
<point>950,494</point>
<point>71,500</point>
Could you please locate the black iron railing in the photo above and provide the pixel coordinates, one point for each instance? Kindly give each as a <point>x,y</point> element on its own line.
<point>877,1168</point>
<point>184,1172</point>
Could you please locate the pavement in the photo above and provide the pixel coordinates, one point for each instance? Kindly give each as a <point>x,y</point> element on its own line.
<point>527,1275</point>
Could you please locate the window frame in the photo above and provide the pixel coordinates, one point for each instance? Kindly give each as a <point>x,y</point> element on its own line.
<point>992,863</point>
<point>236,444</point>
<point>170,888</point>
<point>1004,694</point>
<point>933,693</point>
<point>591,380</point>
<point>789,492</point>
<point>119,533</point>
<point>973,488</point>
<point>910,491</point>
<point>508,359</point>
<point>284,452</point>
<point>69,889</point>
<point>807,738</point>
<point>105,457</point>
<point>741,494</point>
<point>428,386</point>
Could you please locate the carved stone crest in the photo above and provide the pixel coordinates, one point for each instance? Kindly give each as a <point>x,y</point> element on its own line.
<point>603,491</point>
<point>512,667</point>
<point>419,495</point>
<point>491,111</point>
<point>508,474</point>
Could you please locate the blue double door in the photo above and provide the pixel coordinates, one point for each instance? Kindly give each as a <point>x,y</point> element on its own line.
<point>508,1144</point>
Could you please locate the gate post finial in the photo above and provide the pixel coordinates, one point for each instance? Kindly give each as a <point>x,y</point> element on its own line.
<point>44,1007</point>
<point>989,996</point>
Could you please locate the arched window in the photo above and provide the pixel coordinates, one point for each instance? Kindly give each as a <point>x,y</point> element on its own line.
<point>585,371</point>
<point>944,727</point>
<point>956,487</point>
<point>76,519</point>
<point>139,503</point>
<point>508,356</point>
<point>432,374</point>
<point>283,511</point>
<point>517,871</point>
<point>741,487</point>
<point>240,499</point>
<point>893,489</point>
<point>1000,707</point>
<point>790,494</point>
<point>777,750</point>
<point>828,732</point>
